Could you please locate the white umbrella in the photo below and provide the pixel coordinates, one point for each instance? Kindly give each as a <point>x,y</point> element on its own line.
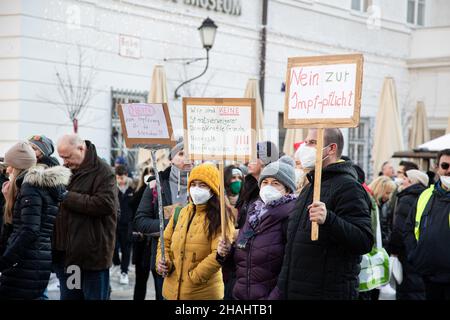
<point>438,144</point>
<point>252,91</point>
<point>388,130</point>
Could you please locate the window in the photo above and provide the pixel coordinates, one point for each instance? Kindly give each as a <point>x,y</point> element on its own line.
<point>361,5</point>
<point>118,147</point>
<point>359,145</point>
<point>416,12</point>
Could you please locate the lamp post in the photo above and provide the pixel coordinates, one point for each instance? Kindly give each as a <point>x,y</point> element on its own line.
<point>207,34</point>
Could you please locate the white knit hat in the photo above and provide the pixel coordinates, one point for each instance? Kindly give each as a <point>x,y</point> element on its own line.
<point>417,176</point>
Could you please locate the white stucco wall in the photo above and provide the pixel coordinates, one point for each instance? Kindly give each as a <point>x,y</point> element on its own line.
<point>36,40</point>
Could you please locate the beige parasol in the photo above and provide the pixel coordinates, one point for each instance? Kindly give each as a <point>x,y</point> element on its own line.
<point>388,132</point>
<point>252,91</point>
<point>419,131</point>
<point>157,94</point>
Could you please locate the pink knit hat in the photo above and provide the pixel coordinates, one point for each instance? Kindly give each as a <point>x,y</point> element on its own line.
<point>20,156</point>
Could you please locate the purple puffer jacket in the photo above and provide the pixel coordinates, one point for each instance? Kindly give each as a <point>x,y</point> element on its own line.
<point>259,263</point>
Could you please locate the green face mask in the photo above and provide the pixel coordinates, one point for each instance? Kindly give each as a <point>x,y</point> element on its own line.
<point>235,186</point>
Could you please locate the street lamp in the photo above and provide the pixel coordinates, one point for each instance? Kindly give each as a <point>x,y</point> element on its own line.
<point>207,34</point>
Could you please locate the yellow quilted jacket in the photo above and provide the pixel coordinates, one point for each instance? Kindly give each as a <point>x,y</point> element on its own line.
<point>195,273</point>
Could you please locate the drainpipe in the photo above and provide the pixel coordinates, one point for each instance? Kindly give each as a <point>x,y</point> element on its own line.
<point>262,57</point>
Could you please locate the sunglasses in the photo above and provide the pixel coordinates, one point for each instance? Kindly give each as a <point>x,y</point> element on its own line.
<point>445,165</point>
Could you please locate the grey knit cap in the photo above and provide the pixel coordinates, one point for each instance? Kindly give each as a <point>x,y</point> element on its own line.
<point>267,152</point>
<point>283,170</point>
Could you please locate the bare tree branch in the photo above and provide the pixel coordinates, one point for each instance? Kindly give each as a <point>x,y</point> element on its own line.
<point>75,91</point>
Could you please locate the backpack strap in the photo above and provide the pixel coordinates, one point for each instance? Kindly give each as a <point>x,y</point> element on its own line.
<point>176,214</point>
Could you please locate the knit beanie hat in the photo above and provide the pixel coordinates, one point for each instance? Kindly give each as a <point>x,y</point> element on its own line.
<point>206,173</point>
<point>20,156</point>
<point>267,152</point>
<point>283,170</point>
<point>178,147</point>
<point>44,144</point>
<point>417,176</point>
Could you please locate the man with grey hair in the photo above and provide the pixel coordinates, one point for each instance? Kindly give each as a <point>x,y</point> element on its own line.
<point>329,267</point>
<point>84,235</point>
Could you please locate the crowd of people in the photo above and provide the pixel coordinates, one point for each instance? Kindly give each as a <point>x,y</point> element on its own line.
<point>84,217</point>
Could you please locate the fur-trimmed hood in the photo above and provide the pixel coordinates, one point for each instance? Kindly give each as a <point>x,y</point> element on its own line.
<point>51,177</point>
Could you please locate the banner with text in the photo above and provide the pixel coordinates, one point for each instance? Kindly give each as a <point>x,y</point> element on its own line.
<point>323,91</point>
<point>219,128</point>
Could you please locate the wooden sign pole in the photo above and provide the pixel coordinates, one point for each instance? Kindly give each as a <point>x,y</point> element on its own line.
<point>317,180</point>
<point>222,201</point>
<point>160,207</point>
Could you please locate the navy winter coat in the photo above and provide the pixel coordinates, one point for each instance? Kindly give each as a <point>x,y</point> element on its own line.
<point>26,262</point>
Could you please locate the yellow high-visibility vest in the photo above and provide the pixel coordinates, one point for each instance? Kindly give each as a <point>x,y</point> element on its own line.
<point>421,204</point>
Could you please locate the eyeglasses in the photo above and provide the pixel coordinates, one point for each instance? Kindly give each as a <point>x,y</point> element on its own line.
<point>445,165</point>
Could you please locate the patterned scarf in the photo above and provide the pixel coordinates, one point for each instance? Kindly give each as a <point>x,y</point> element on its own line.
<point>260,208</point>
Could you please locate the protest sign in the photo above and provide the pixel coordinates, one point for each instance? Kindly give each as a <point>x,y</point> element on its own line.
<point>323,92</point>
<point>220,129</point>
<point>146,123</point>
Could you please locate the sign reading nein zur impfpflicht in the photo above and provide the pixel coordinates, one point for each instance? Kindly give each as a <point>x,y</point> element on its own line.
<point>323,91</point>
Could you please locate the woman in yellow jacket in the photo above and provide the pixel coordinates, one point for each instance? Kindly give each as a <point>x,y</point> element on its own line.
<point>191,270</point>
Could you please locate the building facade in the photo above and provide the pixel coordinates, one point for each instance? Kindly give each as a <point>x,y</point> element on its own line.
<point>120,42</point>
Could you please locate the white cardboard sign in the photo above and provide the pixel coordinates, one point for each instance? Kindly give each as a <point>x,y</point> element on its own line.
<point>144,123</point>
<point>324,90</point>
<point>219,129</point>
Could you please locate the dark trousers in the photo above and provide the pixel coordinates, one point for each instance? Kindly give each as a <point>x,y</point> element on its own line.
<point>437,291</point>
<point>123,243</point>
<point>158,280</point>
<point>94,284</point>
<point>142,274</point>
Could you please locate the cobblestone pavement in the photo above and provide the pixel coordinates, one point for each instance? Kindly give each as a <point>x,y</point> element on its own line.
<point>118,291</point>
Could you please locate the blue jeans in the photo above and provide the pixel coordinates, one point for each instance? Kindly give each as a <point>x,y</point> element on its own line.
<point>94,285</point>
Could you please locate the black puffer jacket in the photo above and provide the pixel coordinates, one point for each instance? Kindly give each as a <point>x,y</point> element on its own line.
<point>412,286</point>
<point>328,268</point>
<point>26,262</point>
<point>147,215</point>
<point>249,194</point>
<point>430,253</point>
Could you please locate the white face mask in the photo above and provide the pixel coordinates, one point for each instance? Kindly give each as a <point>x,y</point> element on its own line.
<point>200,195</point>
<point>446,181</point>
<point>307,156</point>
<point>398,181</point>
<point>269,194</point>
<point>146,178</point>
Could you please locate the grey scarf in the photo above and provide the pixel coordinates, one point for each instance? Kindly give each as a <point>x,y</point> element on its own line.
<point>178,185</point>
